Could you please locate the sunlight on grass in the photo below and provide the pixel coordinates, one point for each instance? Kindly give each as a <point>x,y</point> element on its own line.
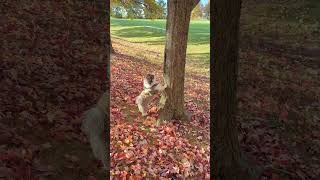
<point>149,35</point>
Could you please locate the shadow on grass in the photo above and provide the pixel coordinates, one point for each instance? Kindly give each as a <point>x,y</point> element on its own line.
<point>138,22</point>
<point>204,56</point>
<point>148,34</point>
<point>136,32</point>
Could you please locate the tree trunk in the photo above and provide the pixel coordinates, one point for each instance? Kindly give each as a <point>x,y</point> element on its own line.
<point>227,159</point>
<point>172,99</point>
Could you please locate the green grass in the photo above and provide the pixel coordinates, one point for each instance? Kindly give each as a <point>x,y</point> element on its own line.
<point>142,33</point>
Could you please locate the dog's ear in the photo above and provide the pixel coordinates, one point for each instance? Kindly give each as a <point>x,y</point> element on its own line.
<point>154,75</point>
<point>150,78</point>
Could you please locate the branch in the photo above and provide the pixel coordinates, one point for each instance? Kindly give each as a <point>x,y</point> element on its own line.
<point>194,3</point>
<point>124,3</point>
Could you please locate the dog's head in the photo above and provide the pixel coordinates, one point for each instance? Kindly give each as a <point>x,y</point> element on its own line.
<point>150,78</point>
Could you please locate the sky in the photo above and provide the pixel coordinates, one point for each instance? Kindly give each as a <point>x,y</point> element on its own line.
<point>203,1</point>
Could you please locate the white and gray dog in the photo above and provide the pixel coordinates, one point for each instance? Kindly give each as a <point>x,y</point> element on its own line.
<point>94,126</point>
<point>150,88</point>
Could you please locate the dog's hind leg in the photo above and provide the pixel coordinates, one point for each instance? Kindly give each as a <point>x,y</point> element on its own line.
<point>141,107</point>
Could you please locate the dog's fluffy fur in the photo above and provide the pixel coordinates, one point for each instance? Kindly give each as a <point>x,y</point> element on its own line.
<point>151,87</point>
<point>94,126</point>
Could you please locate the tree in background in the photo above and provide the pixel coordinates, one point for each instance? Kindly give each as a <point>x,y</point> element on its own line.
<point>197,12</point>
<point>149,9</point>
<point>135,10</point>
<point>202,10</point>
<point>206,10</point>
<point>152,10</point>
<point>118,11</point>
<point>172,102</point>
<point>163,9</point>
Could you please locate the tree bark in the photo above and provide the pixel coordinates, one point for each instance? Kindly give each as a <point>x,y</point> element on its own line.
<point>172,99</point>
<point>226,155</point>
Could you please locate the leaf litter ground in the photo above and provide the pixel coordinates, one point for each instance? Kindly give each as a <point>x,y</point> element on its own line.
<point>140,147</point>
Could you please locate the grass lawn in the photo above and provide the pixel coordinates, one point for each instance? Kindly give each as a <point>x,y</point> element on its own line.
<point>151,35</point>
